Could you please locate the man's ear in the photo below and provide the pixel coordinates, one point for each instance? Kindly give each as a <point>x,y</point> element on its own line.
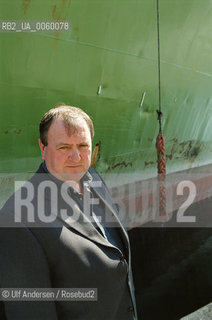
<point>42,149</point>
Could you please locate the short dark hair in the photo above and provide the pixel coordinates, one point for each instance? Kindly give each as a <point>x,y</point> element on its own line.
<point>69,115</point>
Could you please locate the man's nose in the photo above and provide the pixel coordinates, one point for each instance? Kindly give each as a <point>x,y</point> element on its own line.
<point>74,155</point>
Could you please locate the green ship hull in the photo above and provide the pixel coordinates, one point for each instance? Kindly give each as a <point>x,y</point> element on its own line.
<point>108,65</point>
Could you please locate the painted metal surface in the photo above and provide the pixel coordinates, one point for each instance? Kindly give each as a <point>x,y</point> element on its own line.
<point>107,65</point>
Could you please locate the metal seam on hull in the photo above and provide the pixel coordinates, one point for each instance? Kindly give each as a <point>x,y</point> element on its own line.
<point>126,53</point>
<point>187,68</point>
<point>96,46</point>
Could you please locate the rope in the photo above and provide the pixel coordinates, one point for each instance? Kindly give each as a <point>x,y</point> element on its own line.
<point>159,88</point>
<point>160,142</point>
<point>160,145</point>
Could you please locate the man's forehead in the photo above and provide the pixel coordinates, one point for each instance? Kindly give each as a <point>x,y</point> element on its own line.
<point>60,125</point>
<point>59,128</point>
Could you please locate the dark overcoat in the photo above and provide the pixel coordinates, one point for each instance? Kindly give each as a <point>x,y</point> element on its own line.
<point>68,253</point>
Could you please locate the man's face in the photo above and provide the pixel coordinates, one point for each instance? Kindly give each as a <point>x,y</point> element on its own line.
<point>67,156</point>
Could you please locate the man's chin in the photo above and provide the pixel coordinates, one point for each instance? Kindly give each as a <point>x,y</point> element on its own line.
<point>67,176</point>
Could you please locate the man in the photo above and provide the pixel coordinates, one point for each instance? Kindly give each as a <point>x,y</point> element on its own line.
<point>61,230</point>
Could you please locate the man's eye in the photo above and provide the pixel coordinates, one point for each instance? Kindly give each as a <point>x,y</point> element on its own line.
<point>83,145</point>
<point>63,148</point>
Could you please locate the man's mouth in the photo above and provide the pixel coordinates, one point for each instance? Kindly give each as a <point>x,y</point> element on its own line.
<point>74,166</point>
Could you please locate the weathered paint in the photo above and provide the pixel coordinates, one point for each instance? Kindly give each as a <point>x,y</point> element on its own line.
<point>25,5</point>
<point>96,154</point>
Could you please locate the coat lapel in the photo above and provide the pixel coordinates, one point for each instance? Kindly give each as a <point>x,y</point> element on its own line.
<point>81,224</point>
<point>111,213</point>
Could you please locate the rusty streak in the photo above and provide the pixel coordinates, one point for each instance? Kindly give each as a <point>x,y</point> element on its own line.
<point>25,5</point>
<point>96,154</point>
<point>146,163</point>
<point>121,164</point>
<point>54,11</point>
<point>17,131</point>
